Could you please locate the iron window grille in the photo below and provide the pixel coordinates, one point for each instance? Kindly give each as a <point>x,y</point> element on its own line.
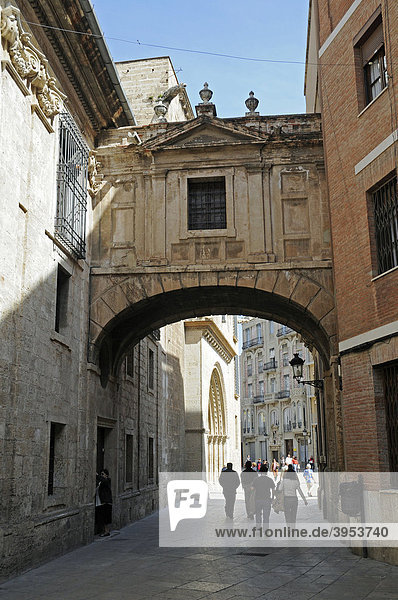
<point>390,381</point>
<point>206,203</point>
<point>70,219</point>
<point>385,208</point>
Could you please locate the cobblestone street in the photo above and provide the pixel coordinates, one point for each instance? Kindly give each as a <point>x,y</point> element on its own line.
<point>129,565</point>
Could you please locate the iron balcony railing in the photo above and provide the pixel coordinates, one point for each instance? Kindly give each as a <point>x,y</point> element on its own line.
<point>297,424</point>
<point>258,399</point>
<point>282,394</point>
<point>271,365</point>
<point>284,331</point>
<point>155,335</point>
<point>257,341</point>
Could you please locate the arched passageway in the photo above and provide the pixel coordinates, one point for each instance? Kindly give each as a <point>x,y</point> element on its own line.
<point>126,309</point>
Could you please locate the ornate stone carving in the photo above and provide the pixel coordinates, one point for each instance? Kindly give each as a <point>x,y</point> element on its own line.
<point>29,62</point>
<point>251,104</point>
<point>94,179</point>
<point>160,111</point>
<point>205,94</point>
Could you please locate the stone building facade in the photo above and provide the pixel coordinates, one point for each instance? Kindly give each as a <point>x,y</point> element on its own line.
<point>58,424</point>
<point>279,416</point>
<point>356,45</point>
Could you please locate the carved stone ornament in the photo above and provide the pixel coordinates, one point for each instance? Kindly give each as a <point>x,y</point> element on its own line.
<point>205,94</point>
<point>94,179</point>
<point>30,64</point>
<point>251,104</point>
<point>160,111</point>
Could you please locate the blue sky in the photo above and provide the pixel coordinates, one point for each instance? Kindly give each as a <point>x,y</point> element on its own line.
<point>266,29</point>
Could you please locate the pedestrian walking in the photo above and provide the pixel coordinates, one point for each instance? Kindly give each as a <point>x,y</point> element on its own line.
<point>103,502</point>
<point>290,485</point>
<point>264,492</point>
<point>308,478</point>
<point>274,468</point>
<point>247,478</point>
<point>229,481</point>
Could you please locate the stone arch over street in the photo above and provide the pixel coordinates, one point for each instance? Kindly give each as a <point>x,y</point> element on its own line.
<point>126,308</point>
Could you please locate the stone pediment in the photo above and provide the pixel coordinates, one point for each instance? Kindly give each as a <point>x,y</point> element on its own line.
<point>203,132</point>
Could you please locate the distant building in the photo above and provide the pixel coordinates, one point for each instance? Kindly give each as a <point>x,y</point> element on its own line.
<point>279,416</point>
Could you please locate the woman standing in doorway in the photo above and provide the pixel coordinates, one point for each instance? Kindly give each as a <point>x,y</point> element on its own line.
<point>103,502</point>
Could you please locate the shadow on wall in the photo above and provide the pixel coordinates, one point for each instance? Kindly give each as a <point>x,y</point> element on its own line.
<point>52,407</point>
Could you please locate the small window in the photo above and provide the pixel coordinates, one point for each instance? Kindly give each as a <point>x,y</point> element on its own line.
<point>130,363</point>
<point>150,459</point>
<point>371,59</point>
<point>56,459</point>
<point>206,204</point>
<point>250,390</point>
<point>385,214</point>
<point>151,369</point>
<point>61,305</point>
<point>129,457</point>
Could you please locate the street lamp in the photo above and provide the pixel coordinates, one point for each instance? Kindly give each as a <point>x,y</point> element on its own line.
<point>297,366</point>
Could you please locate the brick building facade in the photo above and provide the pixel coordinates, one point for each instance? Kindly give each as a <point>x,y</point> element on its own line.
<point>356,80</point>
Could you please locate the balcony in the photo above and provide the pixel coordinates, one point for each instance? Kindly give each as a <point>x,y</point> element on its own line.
<point>284,331</point>
<point>282,394</point>
<point>271,365</point>
<point>248,430</point>
<point>257,341</point>
<point>259,399</point>
<point>297,425</point>
<point>155,335</point>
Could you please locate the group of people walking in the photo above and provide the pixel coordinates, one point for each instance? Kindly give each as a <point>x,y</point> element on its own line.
<point>262,492</point>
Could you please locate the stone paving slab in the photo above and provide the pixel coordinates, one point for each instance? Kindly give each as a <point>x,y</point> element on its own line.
<point>129,565</point>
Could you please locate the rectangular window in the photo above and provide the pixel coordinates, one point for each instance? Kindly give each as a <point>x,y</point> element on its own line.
<point>129,457</point>
<point>151,369</point>
<point>385,213</point>
<point>70,219</point>
<point>250,390</point>
<point>130,363</point>
<point>207,204</point>
<point>249,368</point>
<point>55,464</point>
<point>272,385</point>
<point>150,459</point>
<point>271,327</point>
<point>371,59</point>
<point>286,382</point>
<point>261,388</point>
<point>61,302</point>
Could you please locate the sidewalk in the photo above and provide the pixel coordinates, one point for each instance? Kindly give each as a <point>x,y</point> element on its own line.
<point>129,565</point>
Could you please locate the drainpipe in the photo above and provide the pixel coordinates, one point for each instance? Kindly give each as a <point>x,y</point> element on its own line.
<point>92,20</point>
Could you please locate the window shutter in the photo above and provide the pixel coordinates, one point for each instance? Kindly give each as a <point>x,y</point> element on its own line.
<point>372,44</point>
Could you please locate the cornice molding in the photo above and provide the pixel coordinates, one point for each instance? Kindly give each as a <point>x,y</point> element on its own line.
<point>214,336</point>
